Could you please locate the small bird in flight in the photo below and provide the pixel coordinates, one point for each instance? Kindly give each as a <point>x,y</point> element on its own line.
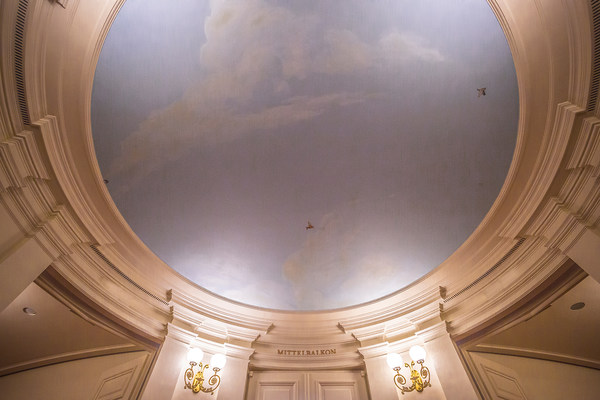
<point>481,92</point>
<point>309,226</point>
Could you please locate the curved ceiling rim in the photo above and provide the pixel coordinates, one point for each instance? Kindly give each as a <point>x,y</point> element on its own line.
<point>401,289</point>
<point>122,236</point>
<point>409,261</point>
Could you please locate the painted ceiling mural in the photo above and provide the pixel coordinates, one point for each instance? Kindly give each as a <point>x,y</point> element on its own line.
<point>304,154</point>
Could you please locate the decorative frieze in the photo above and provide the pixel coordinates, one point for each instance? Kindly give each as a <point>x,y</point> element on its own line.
<point>307,352</point>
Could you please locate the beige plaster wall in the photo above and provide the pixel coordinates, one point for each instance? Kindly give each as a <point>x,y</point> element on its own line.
<point>163,377</point>
<point>380,378</point>
<point>232,386</point>
<point>22,259</point>
<point>531,378</point>
<point>113,376</point>
<point>447,368</point>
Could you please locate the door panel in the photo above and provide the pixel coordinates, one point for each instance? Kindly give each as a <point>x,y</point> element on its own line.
<point>277,386</point>
<point>342,385</point>
<point>302,385</point>
<point>336,391</point>
<point>278,392</point>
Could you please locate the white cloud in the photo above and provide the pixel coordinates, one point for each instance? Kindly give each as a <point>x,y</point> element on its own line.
<point>375,276</point>
<point>257,291</point>
<point>396,47</point>
<point>343,53</point>
<point>247,35</point>
<point>232,277</point>
<point>253,52</point>
<point>172,132</point>
<point>345,261</point>
<point>325,256</point>
<point>296,109</point>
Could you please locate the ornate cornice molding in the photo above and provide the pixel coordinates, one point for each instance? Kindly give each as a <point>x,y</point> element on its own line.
<point>51,186</point>
<point>522,308</point>
<point>433,332</point>
<point>239,352</point>
<point>375,350</point>
<point>58,157</point>
<point>545,172</point>
<point>20,159</point>
<point>209,321</point>
<point>180,334</point>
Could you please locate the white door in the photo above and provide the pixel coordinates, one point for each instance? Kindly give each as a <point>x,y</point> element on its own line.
<point>302,385</point>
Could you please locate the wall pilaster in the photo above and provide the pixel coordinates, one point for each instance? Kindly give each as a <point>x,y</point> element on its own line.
<point>165,374</point>
<point>379,375</point>
<point>235,374</point>
<point>443,357</point>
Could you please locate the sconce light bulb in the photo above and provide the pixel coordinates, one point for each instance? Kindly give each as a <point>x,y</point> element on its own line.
<point>218,361</point>
<point>394,360</point>
<point>195,355</point>
<point>417,353</point>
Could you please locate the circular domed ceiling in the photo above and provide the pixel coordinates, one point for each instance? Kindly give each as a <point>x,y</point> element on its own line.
<point>304,154</point>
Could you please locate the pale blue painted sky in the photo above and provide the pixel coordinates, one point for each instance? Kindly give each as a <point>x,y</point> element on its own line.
<point>223,126</point>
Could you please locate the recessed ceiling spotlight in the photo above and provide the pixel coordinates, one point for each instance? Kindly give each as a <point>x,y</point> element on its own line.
<point>578,306</point>
<point>29,311</point>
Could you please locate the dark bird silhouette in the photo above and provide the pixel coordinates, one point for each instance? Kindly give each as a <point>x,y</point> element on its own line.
<point>309,226</point>
<point>481,92</point>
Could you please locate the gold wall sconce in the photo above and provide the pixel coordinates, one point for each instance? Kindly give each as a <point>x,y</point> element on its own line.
<point>419,379</point>
<point>194,380</point>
